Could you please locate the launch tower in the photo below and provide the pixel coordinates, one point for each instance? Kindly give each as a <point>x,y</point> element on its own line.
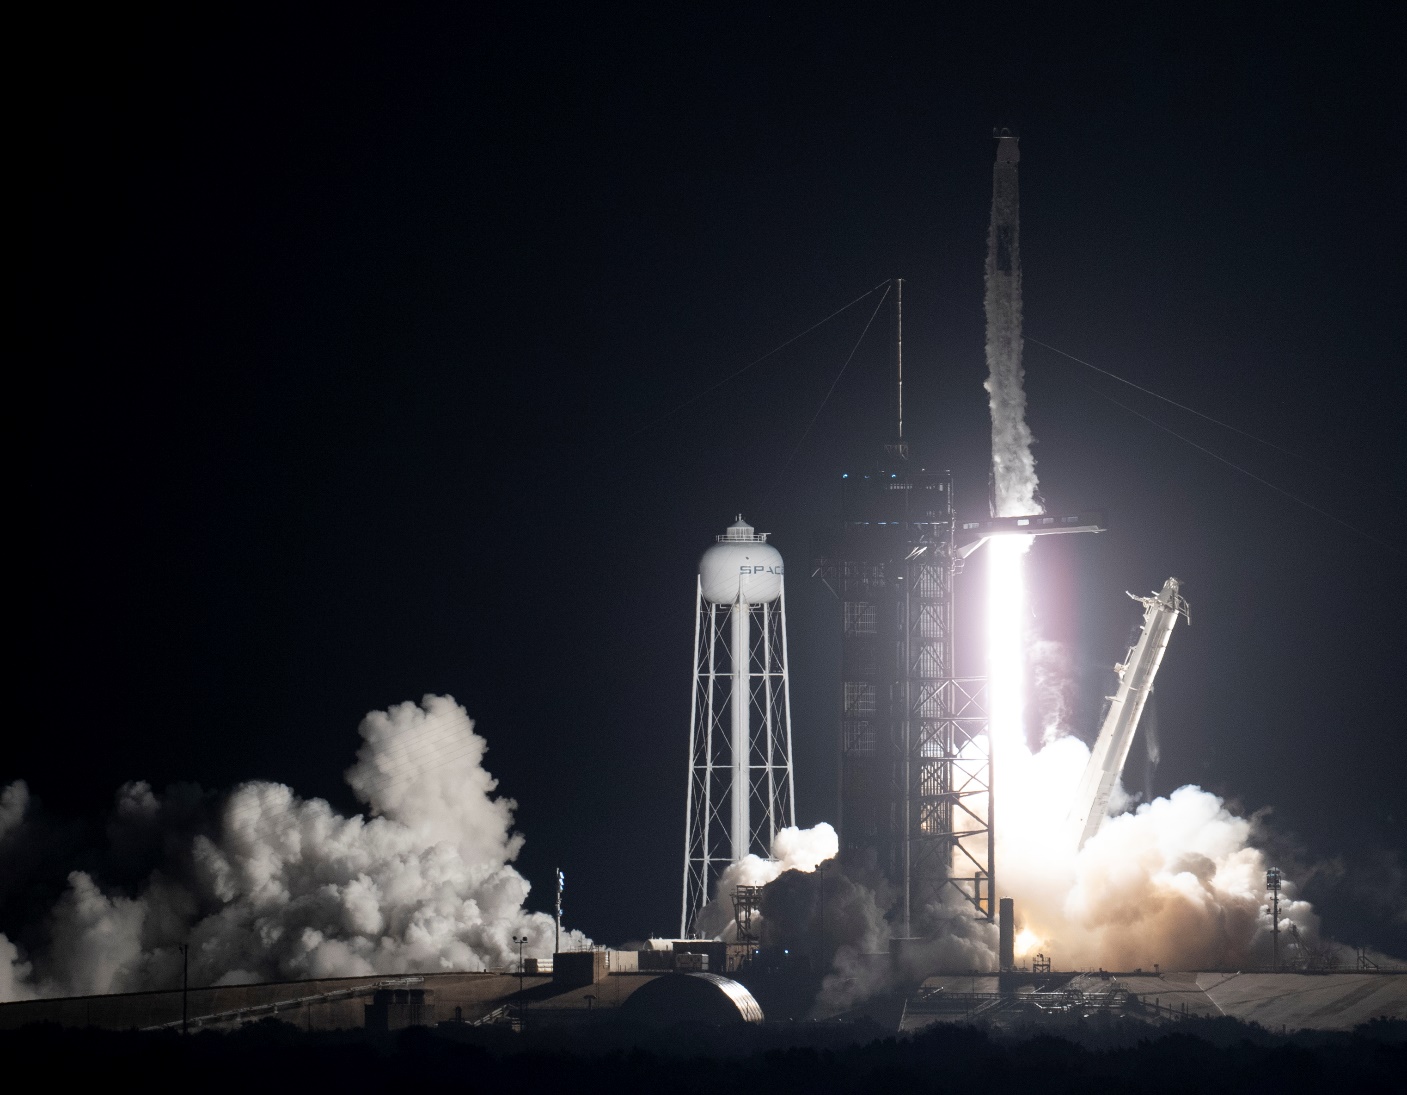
<point>916,775</point>
<point>915,771</point>
<point>915,768</point>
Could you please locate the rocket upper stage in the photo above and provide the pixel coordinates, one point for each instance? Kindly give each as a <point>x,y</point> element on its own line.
<point>1013,468</point>
<point>1004,235</point>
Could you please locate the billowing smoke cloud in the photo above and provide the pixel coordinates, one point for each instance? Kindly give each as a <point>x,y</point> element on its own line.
<point>954,940</point>
<point>14,800</point>
<point>265,885</point>
<point>844,927</point>
<point>1176,881</point>
<point>793,849</point>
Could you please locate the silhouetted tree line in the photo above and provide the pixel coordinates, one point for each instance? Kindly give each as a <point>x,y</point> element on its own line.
<point>1198,1057</point>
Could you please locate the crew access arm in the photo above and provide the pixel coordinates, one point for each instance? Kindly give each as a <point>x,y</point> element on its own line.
<point>1136,674</point>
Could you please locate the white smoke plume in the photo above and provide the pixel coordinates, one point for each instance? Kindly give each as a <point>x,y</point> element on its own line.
<point>1052,686</point>
<point>793,849</point>
<point>14,974</point>
<point>280,887</point>
<point>865,967</point>
<point>14,800</point>
<point>1176,881</point>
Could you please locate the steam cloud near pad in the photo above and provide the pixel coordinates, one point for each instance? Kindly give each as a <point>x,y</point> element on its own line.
<point>793,849</point>
<point>268,886</point>
<point>1176,881</point>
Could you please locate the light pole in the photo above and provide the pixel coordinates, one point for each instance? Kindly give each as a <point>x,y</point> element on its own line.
<point>185,986</point>
<point>522,1001</point>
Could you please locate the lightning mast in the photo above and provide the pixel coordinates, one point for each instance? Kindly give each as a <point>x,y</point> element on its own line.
<point>915,802</point>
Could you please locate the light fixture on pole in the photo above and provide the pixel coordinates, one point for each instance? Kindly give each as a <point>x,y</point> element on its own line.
<point>522,1000</point>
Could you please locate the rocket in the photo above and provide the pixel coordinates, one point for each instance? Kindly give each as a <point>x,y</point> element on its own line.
<point>1013,469</point>
<point>1004,232</point>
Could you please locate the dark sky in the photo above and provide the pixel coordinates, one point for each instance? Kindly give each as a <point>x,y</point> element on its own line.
<point>359,336</point>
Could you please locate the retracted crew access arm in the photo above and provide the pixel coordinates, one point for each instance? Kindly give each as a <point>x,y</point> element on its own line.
<point>1111,748</point>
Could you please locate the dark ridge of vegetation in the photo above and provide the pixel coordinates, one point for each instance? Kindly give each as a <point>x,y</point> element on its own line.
<point>1200,1057</point>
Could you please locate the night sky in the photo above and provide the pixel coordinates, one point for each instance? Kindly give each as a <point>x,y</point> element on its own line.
<point>365,344</point>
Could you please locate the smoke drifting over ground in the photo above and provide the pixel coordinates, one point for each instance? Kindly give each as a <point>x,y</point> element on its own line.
<point>1176,881</point>
<point>267,886</point>
<point>793,850</point>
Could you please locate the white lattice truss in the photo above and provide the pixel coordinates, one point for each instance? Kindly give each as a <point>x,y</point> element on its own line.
<point>715,830</point>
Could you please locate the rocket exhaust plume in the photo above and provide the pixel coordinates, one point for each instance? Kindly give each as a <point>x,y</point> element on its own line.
<point>268,886</point>
<point>1177,881</point>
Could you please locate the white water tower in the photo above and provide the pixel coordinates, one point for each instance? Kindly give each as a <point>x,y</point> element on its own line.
<point>740,781</point>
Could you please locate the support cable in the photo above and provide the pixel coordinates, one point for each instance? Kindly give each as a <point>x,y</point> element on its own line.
<point>775,350</point>
<point>1165,399</point>
<point>1237,467</point>
<point>834,383</point>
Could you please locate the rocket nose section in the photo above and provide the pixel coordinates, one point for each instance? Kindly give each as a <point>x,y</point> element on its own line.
<point>1008,145</point>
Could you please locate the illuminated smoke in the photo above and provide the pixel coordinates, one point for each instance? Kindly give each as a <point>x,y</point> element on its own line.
<point>275,887</point>
<point>793,849</point>
<point>1176,881</point>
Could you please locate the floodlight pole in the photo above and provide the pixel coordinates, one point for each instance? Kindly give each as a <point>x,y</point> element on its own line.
<point>522,1000</point>
<point>185,987</point>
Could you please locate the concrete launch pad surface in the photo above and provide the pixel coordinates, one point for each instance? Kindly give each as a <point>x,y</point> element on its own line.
<point>1327,1001</point>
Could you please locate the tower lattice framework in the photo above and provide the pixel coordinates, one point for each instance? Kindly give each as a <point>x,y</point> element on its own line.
<point>721,674</point>
<point>915,760</point>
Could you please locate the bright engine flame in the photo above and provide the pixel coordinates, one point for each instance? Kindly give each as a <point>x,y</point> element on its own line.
<point>1033,863</point>
<point>1006,658</point>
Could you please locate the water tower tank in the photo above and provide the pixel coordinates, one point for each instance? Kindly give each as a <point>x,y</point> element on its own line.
<point>741,563</point>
